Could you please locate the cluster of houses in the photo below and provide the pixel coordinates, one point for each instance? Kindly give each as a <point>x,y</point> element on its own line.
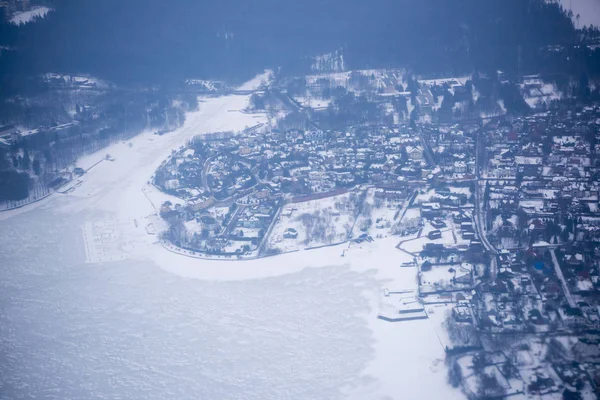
<point>454,151</point>
<point>512,248</point>
<point>250,169</point>
<point>542,190</point>
<point>539,197</point>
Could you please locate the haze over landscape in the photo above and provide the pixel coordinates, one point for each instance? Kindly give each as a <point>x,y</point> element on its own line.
<point>299,200</point>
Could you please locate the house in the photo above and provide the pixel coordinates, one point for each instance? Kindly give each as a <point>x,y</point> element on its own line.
<point>438,223</point>
<point>436,234</point>
<point>290,233</point>
<point>431,210</point>
<point>78,171</point>
<point>414,153</point>
<point>468,235</point>
<point>467,227</point>
<point>460,167</point>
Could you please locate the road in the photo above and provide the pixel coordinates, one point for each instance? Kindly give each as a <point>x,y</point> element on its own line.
<point>427,150</point>
<point>563,282</point>
<point>203,175</point>
<point>479,217</point>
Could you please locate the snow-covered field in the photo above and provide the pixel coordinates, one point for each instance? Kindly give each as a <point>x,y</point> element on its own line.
<point>28,16</point>
<point>158,325</point>
<point>317,222</point>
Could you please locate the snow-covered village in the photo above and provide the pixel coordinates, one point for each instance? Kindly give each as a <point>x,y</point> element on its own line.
<point>325,233</point>
<point>498,220</point>
<point>489,229</point>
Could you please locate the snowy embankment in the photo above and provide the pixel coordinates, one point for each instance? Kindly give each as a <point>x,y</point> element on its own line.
<point>258,81</point>
<point>298,325</point>
<point>29,16</point>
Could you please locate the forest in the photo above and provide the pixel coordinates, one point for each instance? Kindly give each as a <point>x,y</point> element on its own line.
<point>152,41</point>
<point>109,116</point>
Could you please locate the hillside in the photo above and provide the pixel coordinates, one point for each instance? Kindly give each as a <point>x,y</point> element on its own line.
<point>154,41</point>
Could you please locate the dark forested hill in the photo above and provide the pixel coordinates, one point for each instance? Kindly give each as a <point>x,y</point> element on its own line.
<point>157,41</point>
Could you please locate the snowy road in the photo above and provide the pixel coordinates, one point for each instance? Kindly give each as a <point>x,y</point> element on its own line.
<point>156,325</point>
<point>479,217</point>
<point>563,281</point>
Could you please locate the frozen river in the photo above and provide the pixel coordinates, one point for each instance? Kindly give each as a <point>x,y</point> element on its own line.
<point>71,330</point>
<point>156,325</point>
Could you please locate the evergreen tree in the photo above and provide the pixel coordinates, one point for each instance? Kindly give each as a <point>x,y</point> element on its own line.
<point>36,167</point>
<point>26,161</point>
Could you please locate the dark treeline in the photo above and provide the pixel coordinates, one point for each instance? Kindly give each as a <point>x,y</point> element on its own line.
<point>39,160</point>
<point>153,41</point>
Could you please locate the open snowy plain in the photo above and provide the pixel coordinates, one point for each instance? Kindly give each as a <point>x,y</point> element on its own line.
<point>93,307</point>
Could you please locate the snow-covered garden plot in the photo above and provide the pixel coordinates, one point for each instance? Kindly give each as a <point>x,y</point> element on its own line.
<point>241,246</point>
<point>445,277</point>
<point>384,218</point>
<point>492,374</point>
<point>412,213</point>
<point>313,223</point>
<point>437,276</point>
<point>408,224</point>
<point>380,214</point>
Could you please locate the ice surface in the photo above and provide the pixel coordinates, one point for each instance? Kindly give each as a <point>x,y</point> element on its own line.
<point>158,325</point>
<point>130,330</point>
